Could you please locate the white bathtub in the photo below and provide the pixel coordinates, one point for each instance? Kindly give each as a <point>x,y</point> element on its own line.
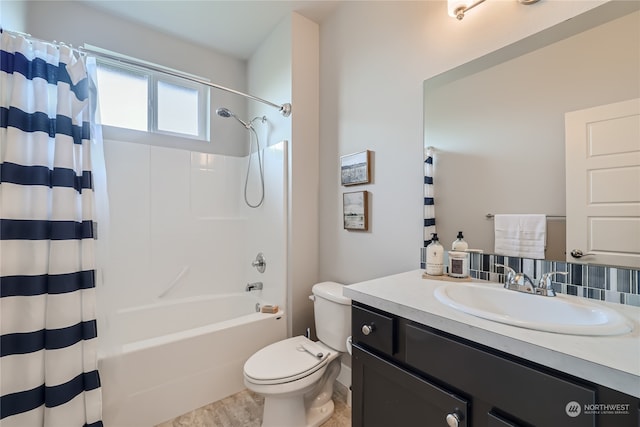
<point>178,356</point>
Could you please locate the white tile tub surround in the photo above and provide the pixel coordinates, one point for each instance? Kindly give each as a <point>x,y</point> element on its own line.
<point>179,236</point>
<point>266,226</point>
<point>196,222</point>
<point>158,378</point>
<point>178,218</point>
<point>215,178</point>
<point>164,216</point>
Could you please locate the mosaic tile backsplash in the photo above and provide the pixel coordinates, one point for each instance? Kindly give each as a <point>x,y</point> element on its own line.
<point>604,283</point>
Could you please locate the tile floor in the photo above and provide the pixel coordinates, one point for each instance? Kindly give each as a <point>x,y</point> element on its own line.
<point>244,409</point>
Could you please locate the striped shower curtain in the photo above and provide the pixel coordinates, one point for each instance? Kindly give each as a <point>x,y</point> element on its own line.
<point>429,207</point>
<point>48,364</point>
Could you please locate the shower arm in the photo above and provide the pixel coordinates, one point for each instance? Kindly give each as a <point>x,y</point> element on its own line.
<point>285,109</point>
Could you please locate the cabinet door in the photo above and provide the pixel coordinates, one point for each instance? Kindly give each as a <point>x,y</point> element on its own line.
<point>385,395</point>
<point>524,392</point>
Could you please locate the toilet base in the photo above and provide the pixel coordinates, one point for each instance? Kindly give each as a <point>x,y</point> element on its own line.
<point>318,415</point>
<point>290,412</point>
<point>284,411</point>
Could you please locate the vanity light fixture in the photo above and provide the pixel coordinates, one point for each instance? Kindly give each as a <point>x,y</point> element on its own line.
<point>457,8</point>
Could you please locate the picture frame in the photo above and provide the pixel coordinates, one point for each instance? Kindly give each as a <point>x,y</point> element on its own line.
<point>355,168</point>
<point>355,207</point>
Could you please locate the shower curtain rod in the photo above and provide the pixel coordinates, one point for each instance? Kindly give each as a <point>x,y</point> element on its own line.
<point>285,109</point>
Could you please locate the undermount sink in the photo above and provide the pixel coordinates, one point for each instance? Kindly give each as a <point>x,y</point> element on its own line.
<point>560,314</point>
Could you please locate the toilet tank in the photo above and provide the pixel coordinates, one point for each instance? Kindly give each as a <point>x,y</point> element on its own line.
<point>332,312</point>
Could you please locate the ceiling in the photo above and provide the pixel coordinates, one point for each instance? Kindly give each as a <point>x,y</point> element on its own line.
<point>232,27</point>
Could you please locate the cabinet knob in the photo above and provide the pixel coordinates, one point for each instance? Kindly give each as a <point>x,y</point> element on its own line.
<point>453,419</point>
<point>367,329</point>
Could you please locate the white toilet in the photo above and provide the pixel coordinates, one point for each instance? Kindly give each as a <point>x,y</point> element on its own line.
<point>296,375</point>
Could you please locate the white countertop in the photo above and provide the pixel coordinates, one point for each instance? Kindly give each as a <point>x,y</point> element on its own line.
<point>611,361</point>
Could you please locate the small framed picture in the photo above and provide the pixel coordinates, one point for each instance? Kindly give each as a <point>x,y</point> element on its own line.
<point>356,168</point>
<point>354,210</point>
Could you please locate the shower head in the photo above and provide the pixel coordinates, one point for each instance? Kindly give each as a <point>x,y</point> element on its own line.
<point>226,113</point>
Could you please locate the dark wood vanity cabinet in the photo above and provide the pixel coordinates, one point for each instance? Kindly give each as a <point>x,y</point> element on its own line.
<point>407,374</point>
<point>389,396</point>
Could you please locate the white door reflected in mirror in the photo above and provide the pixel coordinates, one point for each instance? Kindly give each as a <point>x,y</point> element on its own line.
<point>603,184</point>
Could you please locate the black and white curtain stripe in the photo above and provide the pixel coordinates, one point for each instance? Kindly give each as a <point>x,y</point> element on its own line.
<point>48,341</point>
<point>429,206</point>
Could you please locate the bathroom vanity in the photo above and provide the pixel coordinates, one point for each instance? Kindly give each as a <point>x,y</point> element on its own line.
<point>417,361</point>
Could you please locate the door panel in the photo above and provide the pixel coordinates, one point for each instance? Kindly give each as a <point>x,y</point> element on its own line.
<point>603,183</point>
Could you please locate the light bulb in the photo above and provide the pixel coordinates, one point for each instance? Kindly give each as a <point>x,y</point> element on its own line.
<point>454,7</point>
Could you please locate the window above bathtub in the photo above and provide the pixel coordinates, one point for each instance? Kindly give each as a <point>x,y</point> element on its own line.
<point>137,102</point>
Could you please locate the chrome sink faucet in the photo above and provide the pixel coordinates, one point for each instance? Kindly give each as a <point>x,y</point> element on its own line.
<point>544,286</point>
<point>522,283</point>
<point>517,281</point>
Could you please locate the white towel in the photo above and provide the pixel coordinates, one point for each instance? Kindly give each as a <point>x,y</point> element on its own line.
<point>520,235</point>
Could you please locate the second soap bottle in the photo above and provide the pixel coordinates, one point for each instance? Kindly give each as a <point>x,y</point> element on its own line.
<point>459,244</point>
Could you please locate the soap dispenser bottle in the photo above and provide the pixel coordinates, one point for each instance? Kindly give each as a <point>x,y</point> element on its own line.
<point>435,257</point>
<point>459,244</point>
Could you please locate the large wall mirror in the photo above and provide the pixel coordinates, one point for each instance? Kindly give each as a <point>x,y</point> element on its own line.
<point>497,124</point>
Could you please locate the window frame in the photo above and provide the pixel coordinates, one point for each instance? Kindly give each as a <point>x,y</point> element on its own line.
<point>153,80</point>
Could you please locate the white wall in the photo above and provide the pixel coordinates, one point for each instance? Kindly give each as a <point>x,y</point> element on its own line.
<point>285,69</point>
<point>374,59</point>
<point>269,77</point>
<point>304,171</point>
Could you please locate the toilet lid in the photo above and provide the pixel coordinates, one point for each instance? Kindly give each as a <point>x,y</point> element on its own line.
<point>283,361</point>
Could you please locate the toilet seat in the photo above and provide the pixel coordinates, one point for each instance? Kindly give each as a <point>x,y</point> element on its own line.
<point>283,362</point>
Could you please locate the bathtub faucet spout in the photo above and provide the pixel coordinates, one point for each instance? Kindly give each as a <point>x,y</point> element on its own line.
<point>253,286</point>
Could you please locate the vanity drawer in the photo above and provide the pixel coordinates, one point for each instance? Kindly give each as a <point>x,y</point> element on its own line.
<point>374,330</point>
